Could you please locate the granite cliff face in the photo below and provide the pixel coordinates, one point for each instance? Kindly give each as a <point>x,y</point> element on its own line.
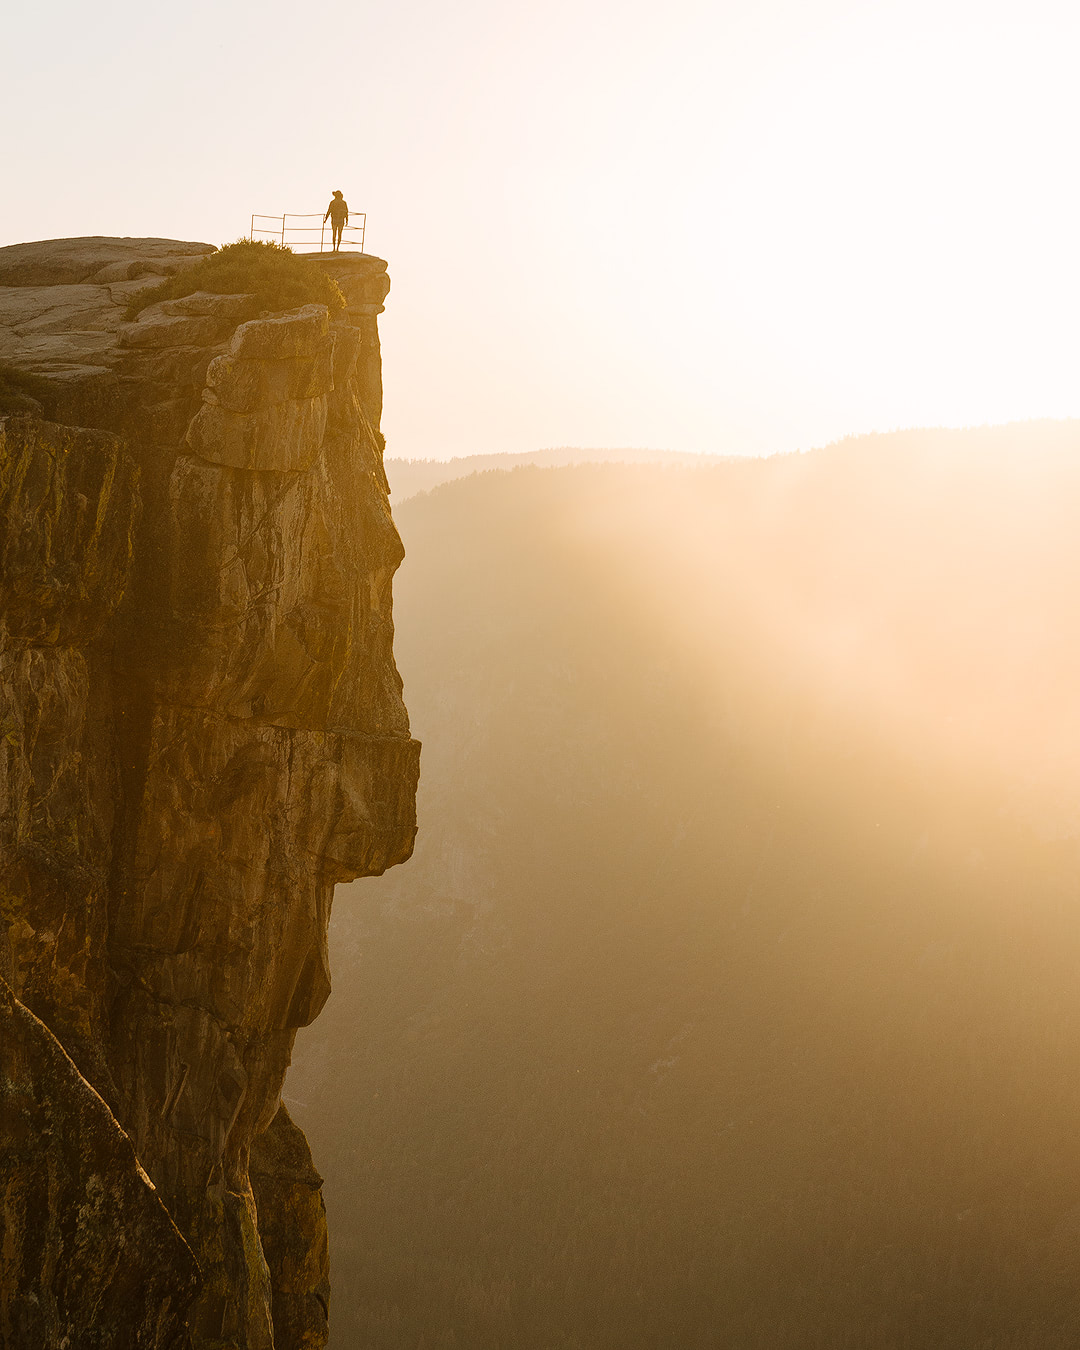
<point>203,732</point>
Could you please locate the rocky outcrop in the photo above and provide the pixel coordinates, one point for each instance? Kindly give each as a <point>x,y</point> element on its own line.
<point>204,730</point>
<point>292,1230</point>
<point>63,301</point>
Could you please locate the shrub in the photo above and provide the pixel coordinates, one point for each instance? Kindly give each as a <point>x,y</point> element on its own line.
<point>275,277</point>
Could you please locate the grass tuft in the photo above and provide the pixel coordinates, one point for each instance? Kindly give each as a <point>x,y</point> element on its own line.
<point>275,277</point>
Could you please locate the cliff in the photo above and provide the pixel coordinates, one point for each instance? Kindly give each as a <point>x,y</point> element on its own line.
<point>203,732</point>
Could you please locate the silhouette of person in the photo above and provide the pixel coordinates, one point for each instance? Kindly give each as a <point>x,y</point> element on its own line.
<point>338,213</point>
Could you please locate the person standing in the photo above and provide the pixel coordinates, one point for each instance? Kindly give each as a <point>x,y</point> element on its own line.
<point>338,214</point>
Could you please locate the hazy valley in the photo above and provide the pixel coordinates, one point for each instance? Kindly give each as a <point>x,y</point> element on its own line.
<point>729,998</point>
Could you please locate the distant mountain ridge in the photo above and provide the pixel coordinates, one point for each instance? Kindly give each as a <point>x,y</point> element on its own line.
<point>407,477</point>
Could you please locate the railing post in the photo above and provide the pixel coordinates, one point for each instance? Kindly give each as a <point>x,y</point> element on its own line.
<point>282,231</point>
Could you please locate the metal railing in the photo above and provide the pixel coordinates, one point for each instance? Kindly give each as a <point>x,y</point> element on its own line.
<point>310,238</point>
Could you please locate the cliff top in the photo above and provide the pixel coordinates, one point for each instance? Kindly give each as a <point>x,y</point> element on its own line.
<point>63,302</point>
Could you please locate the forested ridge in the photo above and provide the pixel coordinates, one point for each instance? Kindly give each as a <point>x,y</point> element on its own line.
<point>407,477</point>
<point>731,996</point>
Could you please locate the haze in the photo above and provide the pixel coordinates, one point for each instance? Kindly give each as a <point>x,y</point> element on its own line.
<point>729,998</point>
<point>731,228</point>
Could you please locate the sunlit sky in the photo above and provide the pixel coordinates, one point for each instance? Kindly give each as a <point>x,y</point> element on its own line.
<point>728,227</point>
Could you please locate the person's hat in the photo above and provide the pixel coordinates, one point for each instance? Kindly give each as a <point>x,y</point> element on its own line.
<point>337,192</point>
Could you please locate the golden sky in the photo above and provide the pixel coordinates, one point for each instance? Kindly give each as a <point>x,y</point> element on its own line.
<point>725,227</point>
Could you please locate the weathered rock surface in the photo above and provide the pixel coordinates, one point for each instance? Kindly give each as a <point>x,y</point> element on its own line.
<point>203,733</point>
<point>90,1256</point>
<point>292,1229</point>
<point>95,258</point>
<point>68,505</point>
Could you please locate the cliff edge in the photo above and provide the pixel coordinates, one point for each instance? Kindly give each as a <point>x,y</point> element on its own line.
<point>203,731</point>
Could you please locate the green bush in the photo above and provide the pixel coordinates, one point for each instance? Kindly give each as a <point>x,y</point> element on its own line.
<point>274,277</point>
